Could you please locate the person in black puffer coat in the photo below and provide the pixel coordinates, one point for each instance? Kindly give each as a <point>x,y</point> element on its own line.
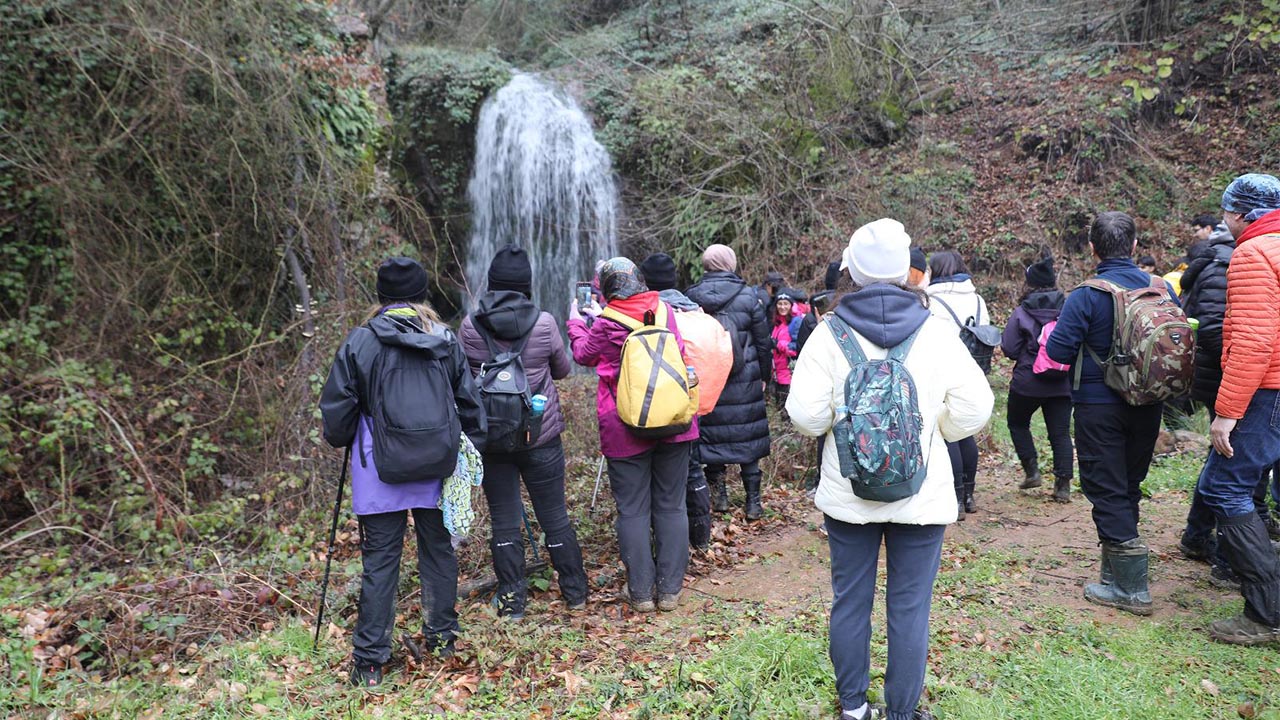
<point>1204,297</point>
<point>736,432</point>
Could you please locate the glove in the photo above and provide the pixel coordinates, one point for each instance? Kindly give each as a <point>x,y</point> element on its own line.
<point>573,310</point>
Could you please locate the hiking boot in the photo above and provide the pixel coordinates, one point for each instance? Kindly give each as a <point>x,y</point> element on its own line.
<point>970,506</point>
<point>1062,489</point>
<point>366,676</point>
<point>1240,630</point>
<point>879,712</point>
<point>1128,590</point>
<point>1032,479</point>
<point>751,483</point>
<point>640,606</point>
<point>1223,577</point>
<point>668,601</point>
<point>1195,549</point>
<point>719,493</point>
<point>959,511</point>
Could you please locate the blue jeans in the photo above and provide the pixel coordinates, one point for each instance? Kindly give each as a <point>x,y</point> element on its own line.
<point>912,555</point>
<point>1228,484</point>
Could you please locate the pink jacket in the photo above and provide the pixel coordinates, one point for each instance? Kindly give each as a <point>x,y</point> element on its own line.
<point>782,353</point>
<point>600,346</point>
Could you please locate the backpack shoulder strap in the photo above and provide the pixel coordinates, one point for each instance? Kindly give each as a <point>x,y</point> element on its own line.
<point>1117,302</point>
<point>843,334</point>
<point>948,307</point>
<point>899,352</point>
<point>624,320</point>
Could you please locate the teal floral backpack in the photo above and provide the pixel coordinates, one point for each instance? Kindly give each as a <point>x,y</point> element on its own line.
<point>877,430</point>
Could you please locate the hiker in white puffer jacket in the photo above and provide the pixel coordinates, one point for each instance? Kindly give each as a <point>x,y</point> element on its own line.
<point>954,401</point>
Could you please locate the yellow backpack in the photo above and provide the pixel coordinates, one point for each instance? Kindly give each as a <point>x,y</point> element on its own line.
<point>654,398</point>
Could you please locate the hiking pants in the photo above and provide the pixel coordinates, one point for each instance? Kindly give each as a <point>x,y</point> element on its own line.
<point>912,554</point>
<point>542,469</point>
<point>964,465</point>
<point>1056,412</point>
<point>381,543</point>
<point>652,525</point>
<point>1114,443</point>
<point>1228,486</point>
<point>698,500</point>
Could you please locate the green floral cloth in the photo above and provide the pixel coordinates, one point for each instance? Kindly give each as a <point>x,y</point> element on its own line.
<point>455,498</point>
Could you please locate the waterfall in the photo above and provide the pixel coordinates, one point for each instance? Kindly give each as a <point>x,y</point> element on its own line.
<point>541,181</point>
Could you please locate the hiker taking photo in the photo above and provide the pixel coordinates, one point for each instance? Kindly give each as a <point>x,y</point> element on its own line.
<point>516,352</point>
<point>882,383</point>
<point>400,395</point>
<point>647,415</point>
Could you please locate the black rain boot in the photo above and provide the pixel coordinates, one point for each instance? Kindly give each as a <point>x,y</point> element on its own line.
<point>566,558</point>
<point>1062,489</point>
<point>970,506</point>
<point>1032,473</point>
<point>697,502</point>
<point>508,565</point>
<point>719,493</point>
<point>1244,542</point>
<point>751,483</point>
<point>1105,575</point>
<point>1128,590</point>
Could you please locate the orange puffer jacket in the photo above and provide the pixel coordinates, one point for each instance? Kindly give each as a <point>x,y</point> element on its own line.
<point>1251,330</point>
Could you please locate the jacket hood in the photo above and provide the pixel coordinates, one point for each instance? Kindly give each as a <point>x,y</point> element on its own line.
<point>405,331</point>
<point>1266,225</point>
<point>884,314</point>
<point>637,305</point>
<point>677,300</point>
<point>506,314</point>
<point>1221,235</point>
<point>961,285</point>
<point>717,289</point>
<point>1044,300</point>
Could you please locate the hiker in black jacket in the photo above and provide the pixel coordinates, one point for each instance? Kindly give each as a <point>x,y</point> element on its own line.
<point>737,431</point>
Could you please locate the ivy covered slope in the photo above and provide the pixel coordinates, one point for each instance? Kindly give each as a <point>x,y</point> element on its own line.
<point>176,181</point>
<point>994,128</point>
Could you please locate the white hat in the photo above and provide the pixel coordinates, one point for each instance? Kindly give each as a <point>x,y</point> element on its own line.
<point>878,252</point>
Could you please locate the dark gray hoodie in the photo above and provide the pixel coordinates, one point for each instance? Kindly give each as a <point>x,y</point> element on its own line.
<point>884,314</point>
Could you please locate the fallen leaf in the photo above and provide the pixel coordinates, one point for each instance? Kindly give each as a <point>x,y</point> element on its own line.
<point>1208,686</point>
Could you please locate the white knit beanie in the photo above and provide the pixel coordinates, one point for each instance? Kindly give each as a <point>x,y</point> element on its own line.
<point>878,252</point>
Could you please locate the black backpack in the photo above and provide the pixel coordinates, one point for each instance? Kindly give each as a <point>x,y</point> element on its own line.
<point>505,394</point>
<point>980,340</point>
<point>415,426</point>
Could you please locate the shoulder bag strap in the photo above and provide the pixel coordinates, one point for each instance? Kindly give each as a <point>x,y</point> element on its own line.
<point>948,307</point>
<point>624,320</point>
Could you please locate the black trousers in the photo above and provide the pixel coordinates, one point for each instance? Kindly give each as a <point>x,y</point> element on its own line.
<point>1057,420</point>
<point>1114,444</point>
<point>381,544</point>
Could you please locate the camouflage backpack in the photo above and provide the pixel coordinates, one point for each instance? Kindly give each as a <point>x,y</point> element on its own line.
<point>1152,349</point>
<point>877,431</point>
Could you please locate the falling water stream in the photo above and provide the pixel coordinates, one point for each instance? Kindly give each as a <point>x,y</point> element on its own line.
<point>541,181</point>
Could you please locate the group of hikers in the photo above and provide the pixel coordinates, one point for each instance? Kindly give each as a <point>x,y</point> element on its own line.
<point>886,367</point>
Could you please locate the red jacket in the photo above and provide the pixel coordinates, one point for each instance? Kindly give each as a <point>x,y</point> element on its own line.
<point>1251,329</point>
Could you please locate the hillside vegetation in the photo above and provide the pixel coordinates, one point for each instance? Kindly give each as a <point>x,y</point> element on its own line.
<point>194,196</point>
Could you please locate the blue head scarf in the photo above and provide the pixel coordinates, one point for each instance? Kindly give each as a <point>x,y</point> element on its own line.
<point>1252,195</point>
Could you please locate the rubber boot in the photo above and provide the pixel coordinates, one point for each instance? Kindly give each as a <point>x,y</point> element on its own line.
<point>719,493</point>
<point>1128,590</point>
<point>1105,575</point>
<point>1032,473</point>
<point>508,565</point>
<point>1244,542</point>
<point>1062,489</point>
<point>697,503</point>
<point>751,483</point>
<point>566,558</point>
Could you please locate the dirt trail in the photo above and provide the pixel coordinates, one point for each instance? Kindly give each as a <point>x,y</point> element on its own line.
<point>1053,547</point>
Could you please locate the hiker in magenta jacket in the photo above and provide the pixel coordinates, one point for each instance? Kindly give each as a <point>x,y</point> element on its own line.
<point>647,477</point>
<point>784,347</point>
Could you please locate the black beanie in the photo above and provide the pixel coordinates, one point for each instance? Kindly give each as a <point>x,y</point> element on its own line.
<point>918,260</point>
<point>833,276</point>
<point>1041,274</point>
<point>510,270</point>
<point>401,279</point>
<point>659,271</point>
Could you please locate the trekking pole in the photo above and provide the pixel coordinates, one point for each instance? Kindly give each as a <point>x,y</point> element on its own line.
<point>333,536</point>
<point>528,529</point>
<point>596,492</point>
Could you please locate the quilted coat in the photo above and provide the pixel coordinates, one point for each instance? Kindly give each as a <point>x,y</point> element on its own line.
<point>954,399</point>
<point>1204,297</point>
<point>1251,330</point>
<point>737,431</point>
